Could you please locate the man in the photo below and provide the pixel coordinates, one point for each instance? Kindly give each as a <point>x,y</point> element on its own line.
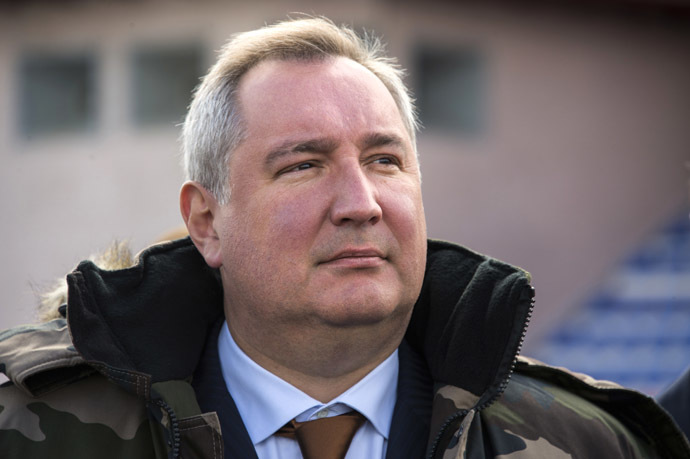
<point>307,303</point>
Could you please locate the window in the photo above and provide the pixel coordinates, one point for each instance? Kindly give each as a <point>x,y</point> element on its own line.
<point>57,94</point>
<point>162,83</point>
<point>450,89</point>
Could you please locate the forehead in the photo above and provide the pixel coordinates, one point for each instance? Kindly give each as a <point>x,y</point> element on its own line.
<point>277,97</point>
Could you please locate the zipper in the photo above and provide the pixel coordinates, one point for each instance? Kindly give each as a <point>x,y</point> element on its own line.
<point>449,420</point>
<point>504,384</point>
<point>174,428</point>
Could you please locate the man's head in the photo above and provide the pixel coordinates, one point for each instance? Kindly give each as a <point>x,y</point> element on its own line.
<point>214,125</point>
<point>323,236</point>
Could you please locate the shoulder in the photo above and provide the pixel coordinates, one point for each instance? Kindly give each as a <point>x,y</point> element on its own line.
<point>676,399</point>
<point>557,412</point>
<point>56,405</point>
<point>88,415</point>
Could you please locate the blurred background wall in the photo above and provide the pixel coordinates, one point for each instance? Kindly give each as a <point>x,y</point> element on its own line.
<point>555,138</point>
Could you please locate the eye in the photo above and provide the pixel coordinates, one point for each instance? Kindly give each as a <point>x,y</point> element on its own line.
<point>302,167</point>
<point>386,160</point>
<point>298,167</point>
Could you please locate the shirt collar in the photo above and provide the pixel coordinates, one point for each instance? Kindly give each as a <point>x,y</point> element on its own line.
<point>266,402</point>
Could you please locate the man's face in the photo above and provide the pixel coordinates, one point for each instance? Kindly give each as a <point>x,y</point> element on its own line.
<point>325,223</point>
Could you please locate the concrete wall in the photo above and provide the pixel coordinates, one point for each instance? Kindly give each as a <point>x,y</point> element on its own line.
<point>582,154</point>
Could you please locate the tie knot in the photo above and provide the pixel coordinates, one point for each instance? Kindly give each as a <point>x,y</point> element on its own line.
<point>324,438</point>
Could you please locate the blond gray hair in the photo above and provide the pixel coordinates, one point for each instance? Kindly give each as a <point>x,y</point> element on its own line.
<point>214,127</point>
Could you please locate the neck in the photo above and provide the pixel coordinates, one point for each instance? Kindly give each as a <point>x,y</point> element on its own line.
<point>323,365</point>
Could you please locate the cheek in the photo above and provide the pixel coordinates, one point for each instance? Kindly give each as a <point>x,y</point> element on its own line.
<point>405,213</point>
<point>407,223</point>
<point>287,221</point>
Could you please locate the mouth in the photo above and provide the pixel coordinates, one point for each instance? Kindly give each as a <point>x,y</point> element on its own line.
<point>357,258</point>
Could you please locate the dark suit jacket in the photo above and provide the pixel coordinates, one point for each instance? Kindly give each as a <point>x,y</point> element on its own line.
<point>409,433</point>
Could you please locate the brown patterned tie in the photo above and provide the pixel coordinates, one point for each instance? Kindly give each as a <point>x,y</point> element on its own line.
<point>325,438</point>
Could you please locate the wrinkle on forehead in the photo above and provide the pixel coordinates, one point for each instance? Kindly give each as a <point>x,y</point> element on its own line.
<point>271,81</point>
<point>291,107</point>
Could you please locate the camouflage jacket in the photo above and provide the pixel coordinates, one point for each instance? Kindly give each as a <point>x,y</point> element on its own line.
<point>113,378</point>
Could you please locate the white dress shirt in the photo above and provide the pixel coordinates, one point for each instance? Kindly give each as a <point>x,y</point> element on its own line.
<point>266,403</point>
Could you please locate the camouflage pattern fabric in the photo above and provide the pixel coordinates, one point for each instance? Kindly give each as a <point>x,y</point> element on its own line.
<point>548,412</point>
<point>57,405</point>
<point>37,349</point>
<point>94,418</point>
<point>91,418</point>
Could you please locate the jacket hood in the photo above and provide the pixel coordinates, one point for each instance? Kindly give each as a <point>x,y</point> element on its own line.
<point>121,320</point>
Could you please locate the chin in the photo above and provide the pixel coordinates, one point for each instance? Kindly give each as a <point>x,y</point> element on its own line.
<point>362,312</point>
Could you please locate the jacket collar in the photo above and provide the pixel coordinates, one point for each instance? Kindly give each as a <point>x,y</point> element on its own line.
<point>468,323</point>
<point>470,319</point>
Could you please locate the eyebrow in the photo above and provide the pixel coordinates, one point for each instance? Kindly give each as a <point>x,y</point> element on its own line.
<point>324,146</point>
<point>327,145</point>
<point>378,139</point>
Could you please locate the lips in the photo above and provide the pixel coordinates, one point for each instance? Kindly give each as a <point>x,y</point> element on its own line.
<point>356,253</point>
<point>357,258</point>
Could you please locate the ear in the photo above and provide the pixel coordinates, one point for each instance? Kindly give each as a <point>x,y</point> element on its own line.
<point>199,208</point>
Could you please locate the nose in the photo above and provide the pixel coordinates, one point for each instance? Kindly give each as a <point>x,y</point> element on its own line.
<point>355,197</point>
